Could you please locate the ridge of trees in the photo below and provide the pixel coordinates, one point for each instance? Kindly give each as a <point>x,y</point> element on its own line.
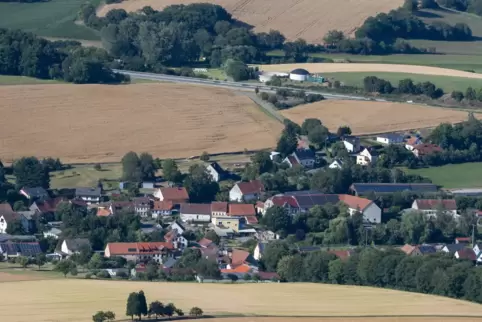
<point>471,6</point>
<point>373,84</point>
<point>23,53</point>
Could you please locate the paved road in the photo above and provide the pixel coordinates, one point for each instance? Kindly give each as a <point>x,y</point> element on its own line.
<point>231,85</point>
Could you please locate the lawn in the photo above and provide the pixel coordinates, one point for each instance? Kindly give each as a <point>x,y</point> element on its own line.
<point>23,80</point>
<point>447,83</point>
<point>87,176</point>
<point>54,18</point>
<point>464,175</point>
<point>77,299</point>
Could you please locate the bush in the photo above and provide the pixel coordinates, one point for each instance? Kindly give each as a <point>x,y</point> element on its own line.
<point>103,274</point>
<point>457,95</point>
<point>264,96</point>
<point>272,99</point>
<point>97,167</point>
<point>195,311</point>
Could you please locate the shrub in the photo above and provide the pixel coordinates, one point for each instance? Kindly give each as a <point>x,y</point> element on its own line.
<point>195,311</point>
<point>97,167</point>
<point>264,96</point>
<point>103,274</point>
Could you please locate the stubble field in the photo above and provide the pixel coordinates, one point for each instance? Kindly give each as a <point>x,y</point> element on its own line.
<point>366,117</point>
<point>76,300</point>
<point>100,123</point>
<point>308,19</point>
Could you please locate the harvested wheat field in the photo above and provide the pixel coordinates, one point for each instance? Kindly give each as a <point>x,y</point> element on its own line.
<point>76,300</point>
<point>368,117</point>
<point>346,319</point>
<point>308,19</point>
<point>100,123</point>
<point>361,67</point>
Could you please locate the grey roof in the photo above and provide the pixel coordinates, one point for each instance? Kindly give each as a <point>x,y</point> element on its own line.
<point>217,167</point>
<point>307,249</point>
<point>300,71</point>
<point>351,139</point>
<point>195,208</point>
<point>27,214</point>
<point>76,244</point>
<point>427,249</point>
<point>361,188</point>
<point>54,231</point>
<point>305,154</point>
<point>454,247</point>
<point>7,237</point>
<point>309,201</point>
<point>36,192</point>
<point>392,136</point>
<point>24,249</point>
<point>88,192</point>
<point>170,262</point>
<point>302,192</point>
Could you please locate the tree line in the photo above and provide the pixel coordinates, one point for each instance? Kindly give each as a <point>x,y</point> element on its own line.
<point>373,84</point>
<point>438,274</point>
<point>25,54</point>
<point>471,6</point>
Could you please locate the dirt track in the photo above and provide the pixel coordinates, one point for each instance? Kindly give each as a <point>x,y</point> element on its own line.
<point>308,19</point>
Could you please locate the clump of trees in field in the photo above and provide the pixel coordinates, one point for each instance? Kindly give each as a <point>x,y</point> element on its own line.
<point>285,98</point>
<point>373,84</point>
<point>102,316</point>
<point>137,306</point>
<point>472,6</point>
<point>25,54</point>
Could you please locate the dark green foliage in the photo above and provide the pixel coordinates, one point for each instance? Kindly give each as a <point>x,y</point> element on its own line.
<point>273,252</point>
<point>238,71</point>
<point>457,95</point>
<point>29,172</point>
<point>277,219</point>
<point>199,184</point>
<point>429,4</point>
<point>170,170</point>
<point>137,168</point>
<point>373,84</point>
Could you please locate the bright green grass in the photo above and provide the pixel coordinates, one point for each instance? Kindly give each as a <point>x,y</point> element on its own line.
<point>55,18</point>
<point>22,80</point>
<point>464,175</point>
<point>447,83</point>
<point>87,176</point>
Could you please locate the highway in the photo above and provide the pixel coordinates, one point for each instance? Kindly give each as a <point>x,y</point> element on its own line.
<point>231,85</point>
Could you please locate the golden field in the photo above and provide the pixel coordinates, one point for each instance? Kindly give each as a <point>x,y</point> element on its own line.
<point>75,300</point>
<point>367,117</point>
<point>100,123</point>
<point>347,319</point>
<point>361,67</point>
<point>308,19</point>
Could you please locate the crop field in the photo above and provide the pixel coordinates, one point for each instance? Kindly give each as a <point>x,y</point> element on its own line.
<point>346,319</point>
<point>464,175</point>
<point>369,117</point>
<point>23,80</point>
<point>373,68</point>
<point>447,83</point>
<point>100,123</point>
<point>308,19</point>
<point>76,300</point>
<point>54,18</point>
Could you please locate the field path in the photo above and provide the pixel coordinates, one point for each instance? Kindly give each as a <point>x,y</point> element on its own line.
<point>308,19</point>
<point>361,67</point>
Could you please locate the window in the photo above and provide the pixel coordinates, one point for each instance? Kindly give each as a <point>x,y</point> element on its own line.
<point>131,250</point>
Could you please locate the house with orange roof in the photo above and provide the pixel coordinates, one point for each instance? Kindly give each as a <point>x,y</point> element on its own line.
<point>140,252</point>
<point>162,208</point>
<point>176,195</point>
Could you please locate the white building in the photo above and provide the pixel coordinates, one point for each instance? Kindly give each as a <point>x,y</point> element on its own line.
<point>8,218</point>
<point>390,138</point>
<point>217,173</point>
<point>430,207</point>
<point>246,191</point>
<point>299,75</point>
<point>352,144</point>
<point>195,212</point>
<point>366,157</point>
<point>336,164</point>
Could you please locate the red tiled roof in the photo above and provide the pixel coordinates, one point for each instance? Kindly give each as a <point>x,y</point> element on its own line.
<point>412,140</point>
<point>268,275</point>
<point>238,269</point>
<point>240,209</point>
<point>426,148</point>
<point>355,202</point>
<point>292,160</point>
<point>137,248</point>
<point>163,205</point>
<point>5,207</point>
<point>174,193</point>
<point>252,220</point>
<point>205,242</point>
<point>407,249</point>
<point>341,254</point>
<point>466,253</point>
<point>219,206</point>
<point>463,239</point>
<point>254,186</point>
<point>49,205</point>
<point>282,200</point>
<point>259,204</point>
<point>103,212</point>
<point>447,204</point>
<point>238,257</point>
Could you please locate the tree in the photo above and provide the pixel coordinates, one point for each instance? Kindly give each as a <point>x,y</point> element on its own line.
<point>457,95</point>
<point>277,219</point>
<point>333,37</point>
<point>204,156</point>
<point>237,70</point>
<point>147,166</point>
<point>200,184</point>
<point>309,125</point>
<point>169,310</point>
<point>98,167</point>
<point>109,315</point>
<point>16,228</point>
<point>40,260</point>
<point>211,235</point>
<point>410,5</point>
<point>64,266</point>
<point>287,144</point>
<point>131,167</point>
<point>195,311</point>
<point>19,205</point>
<point>273,253</point>
<point>142,304</point>
<point>29,172</point>
<point>343,130</point>
<point>156,308</point>
<point>99,317</point>
<point>170,170</point>
<point>470,94</point>
<point>179,312</point>
<point>23,261</point>
<point>132,307</point>
<point>152,271</point>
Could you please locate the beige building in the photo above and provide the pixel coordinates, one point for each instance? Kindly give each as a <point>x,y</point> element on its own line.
<point>226,222</point>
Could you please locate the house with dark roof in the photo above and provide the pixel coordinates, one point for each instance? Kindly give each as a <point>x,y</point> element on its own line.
<point>430,207</point>
<point>360,189</point>
<point>352,144</point>
<point>12,249</point>
<point>216,171</point>
<point>336,164</point>
<point>452,248</point>
<point>46,206</point>
<point>8,218</point>
<point>466,253</point>
<point>176,195</point>
<point>195,212</point>
<point>418,250</point>
<point>412,142</point>
<point>420,150</point>
<point>36,193</point>
<point>72,246</point>
<point>302,202</point>
<point>246,191</point>
<point>390,138</point>
<point>304,157</point>
<point>89,195</point>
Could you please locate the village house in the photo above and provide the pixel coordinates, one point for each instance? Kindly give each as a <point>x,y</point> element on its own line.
<point>391,138</point>
<point>8,218</point>
<point>412,142</point>
<point>227,222</point>
<point>466,253</point>
<point>53,233</point>
<point>72,246</point>
<point>176,239</point>
<point>13,249</point>
<point>89,195</point>
<point>366,157</point>
<point>452,248</point>
<point>219,209</point>
<point>361,189</point>
<point>430,207</point>
<point>140,252</point>
<point>246,191</point>
<point>36,193</point>
<point>259,250</point>
<point>418,250</point>
<point>304,157</point>
<point>176,195</point>
<point>216,171</point>
<point>177,226</point>
<point>300,202</point>
<point>462,240</point>
<point>162,208</point>
<point>46,206</point>
<point>420,150</point>
<point>241,262</point>
<point>336,164</point>
<point>195,212</point>
<point>205,242</point>
<point>142,206</point>
<point>352,144</point>
<point>244,211</point>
